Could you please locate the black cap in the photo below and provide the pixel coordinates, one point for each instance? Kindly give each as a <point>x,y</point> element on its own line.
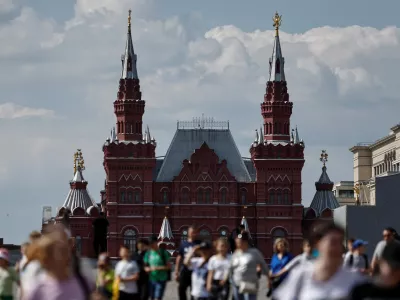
<point>244,236</point>
<point>205,245</point>
<point>153,239</point>
<point>391,254</point>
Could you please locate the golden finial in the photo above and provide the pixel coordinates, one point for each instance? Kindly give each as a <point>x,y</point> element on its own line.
<point>129,19</point>
<point>324,157</point>
<point>277,22</point>
<point>79,162</point>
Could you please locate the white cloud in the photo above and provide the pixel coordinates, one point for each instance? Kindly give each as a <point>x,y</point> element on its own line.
<point>6,6</point>
<point>342,81</point>
<point>14,111</point>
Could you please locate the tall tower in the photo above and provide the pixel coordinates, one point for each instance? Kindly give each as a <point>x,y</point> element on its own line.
<point>129,160</point>
<point>129,106</point>
<point>277,153</point>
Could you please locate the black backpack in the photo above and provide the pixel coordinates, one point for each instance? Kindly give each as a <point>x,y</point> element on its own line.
<point>351,260</point>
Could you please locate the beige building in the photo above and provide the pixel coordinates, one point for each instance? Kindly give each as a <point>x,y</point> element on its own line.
<point>371,160</point>
<point>344,192</point>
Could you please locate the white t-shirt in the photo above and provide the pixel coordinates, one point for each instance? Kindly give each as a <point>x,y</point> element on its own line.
<point>220,266</point>
<point>299,285</point>
<point>299,259</point>
<point>126,269</point>
<point>199,277</point>
<point>29,274</point>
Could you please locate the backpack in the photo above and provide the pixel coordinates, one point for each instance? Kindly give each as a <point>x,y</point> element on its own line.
<point>351,260</point>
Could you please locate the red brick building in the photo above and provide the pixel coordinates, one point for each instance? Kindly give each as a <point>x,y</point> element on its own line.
<point>202,178</point>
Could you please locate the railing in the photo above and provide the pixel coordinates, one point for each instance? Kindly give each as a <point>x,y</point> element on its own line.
<point>364,144</point>
<point>203,123</point>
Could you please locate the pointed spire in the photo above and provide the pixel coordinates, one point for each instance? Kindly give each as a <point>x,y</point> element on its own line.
<point>166,231</point>
<point>147,135</point>
<point>277,61</point>
<point>113,136</point>
<point>261,136</point>
<point>296,136</point>
<point>292,137</point>
<point>129,70</point>
<point>257,137</point>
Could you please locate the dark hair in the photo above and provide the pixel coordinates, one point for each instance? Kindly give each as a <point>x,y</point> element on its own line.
<point>394,232</point>
<point>125,247</point>
<point>193,226</point>
<point>143,241</point>
<point>153,239</point>
<point>101,213</point>
<point>241,226</point>
<point>306,242</point>
<point>322,230</point>
<point>351,240</point>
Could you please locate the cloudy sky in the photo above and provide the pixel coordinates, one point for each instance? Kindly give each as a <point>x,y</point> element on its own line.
<point>60,65</point>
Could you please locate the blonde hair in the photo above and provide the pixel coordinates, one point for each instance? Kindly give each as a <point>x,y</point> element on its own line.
<point>221,240</point>
<point>281,240</point>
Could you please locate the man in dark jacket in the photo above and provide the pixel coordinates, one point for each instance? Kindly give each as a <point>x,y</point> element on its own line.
<point>100,226</point>
<point>138,256</point>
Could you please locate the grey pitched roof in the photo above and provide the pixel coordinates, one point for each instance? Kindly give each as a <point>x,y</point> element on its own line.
<point>156,170</point>
<point>250,168</point>
<point>324,197</point>
<point>186,141</point>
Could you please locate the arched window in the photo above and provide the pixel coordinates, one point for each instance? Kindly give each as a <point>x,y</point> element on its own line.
<point>122,197</point>
<point>223,196</point>
<point>200,196</point>
<point>130,200</point>
<point>286,197</point>
<point>184,236</point>
<point>271,197</point>
<point>165,199</point>
<point>78,244</point>
<point>243,196</point>
<point>205,235</point>
<point>279,197</point>
<point>278,233</point>
<point>137,196</point>
<point>130,240</point>
<point>185,196</point>
<point>208,196</point>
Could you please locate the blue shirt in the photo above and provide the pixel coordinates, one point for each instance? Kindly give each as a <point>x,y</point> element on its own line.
<point>277,264</point>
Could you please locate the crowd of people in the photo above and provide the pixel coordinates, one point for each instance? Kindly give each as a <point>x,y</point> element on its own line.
<point>224,270</point>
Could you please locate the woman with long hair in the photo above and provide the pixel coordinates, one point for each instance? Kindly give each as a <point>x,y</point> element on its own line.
<point>325,278</point>
<point>218,271</point>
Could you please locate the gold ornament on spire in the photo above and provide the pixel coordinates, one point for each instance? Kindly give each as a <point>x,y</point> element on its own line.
<point>324,157</point>
<point>129,19</point>
<point>277,22</point>
<point>79,163</point>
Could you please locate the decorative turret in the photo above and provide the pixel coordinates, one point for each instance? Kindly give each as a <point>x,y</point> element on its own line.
<point>324,197</point>
<point>129,106</point>
<point>78,196</point>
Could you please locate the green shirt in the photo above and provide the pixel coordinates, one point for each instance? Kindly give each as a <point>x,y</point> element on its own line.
<point>157,259</point>
<point>107,275</point>
<point>7,279</point>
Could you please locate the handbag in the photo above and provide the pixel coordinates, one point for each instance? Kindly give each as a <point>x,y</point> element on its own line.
<point>246,287</point>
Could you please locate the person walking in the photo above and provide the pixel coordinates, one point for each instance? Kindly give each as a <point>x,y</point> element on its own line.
<point>325,278</point>
<point>279,260</point>
<point>157,265</point>
<point>197,261</point>
<point>182,274</point>
<point>389,235</point>
<point>143,282</point>
<point>105,276</point>
<point>243,268</point>
<point>387,283</point>
<point>218,272</point>
<point>126,274</point>
<point>8,276</point>
<point>358,260</point>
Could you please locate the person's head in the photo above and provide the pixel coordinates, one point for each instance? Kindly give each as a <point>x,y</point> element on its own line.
<point>153,242</point>
<point>34,236</point>
<point>328,239</point>
<point>221,246</point>
<point>205,250</point>
<point>124,252</point>
<point>359,246</point>
<point>142,245</point>
<point>53,252</point>
<point>389,264</point>
<point>242,241</point>
<point>242,228</point>
<point>350,242</point>
<point>281,245</point>
<point>307,247</point>
<point>389,233</point>
<point>192,232</point>
<point>104,261</point>
<point>4,258</point>
<point>24,247</point>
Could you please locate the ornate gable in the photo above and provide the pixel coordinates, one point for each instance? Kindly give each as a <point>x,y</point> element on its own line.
<point>204,166</point>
